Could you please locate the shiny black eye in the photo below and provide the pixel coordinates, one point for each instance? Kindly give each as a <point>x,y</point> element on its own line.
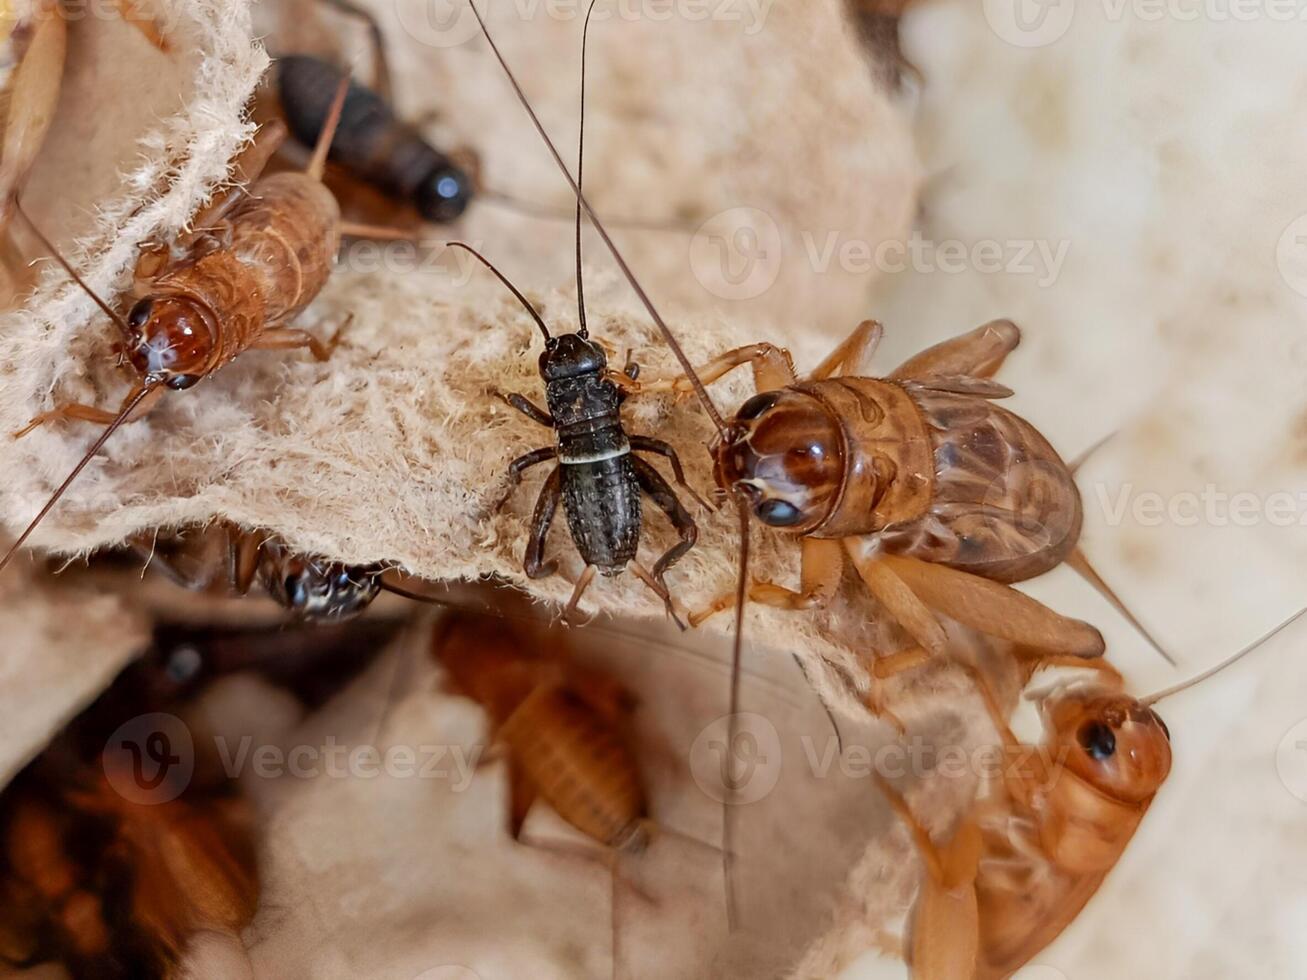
<point>180,382</point>
<point>139,314</point>
<point>1098,740</point>
<point>756,405</point>
<point>778,513</point>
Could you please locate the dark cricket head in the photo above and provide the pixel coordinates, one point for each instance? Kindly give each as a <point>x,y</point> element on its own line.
<point>444,194</point>
<point>784,452</point>
<point>172,339</point>
<point>318,590</point>
<point>571,355</point>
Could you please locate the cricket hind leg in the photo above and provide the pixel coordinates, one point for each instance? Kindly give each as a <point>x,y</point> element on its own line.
<point>653,484</point>
<point>520,465</point>
<point>551,495</point>
<point>977,354</point>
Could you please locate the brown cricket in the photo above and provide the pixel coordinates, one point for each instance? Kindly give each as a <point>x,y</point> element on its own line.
<point>258,255</point>
<point>561,730</point>
<point>1022,863</point>
<point>939,498</point>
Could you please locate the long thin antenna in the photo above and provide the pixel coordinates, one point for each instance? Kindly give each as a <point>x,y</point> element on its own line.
<point>49,247</point>
<point>504,279</point>
<point>580,172</point>
<point>1229,662</point>
<point>90,454</point>
<point>668,336</point>
<point>551,213</point>
<point>318,162</point>
<point>733,720</point>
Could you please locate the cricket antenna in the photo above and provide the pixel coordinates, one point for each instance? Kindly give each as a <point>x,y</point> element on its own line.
<point>580,171</point>
<point>112,427</point>
<point>119,322</point>
<point>526,303</point>
<point>1228,662</point>
<point>1080,562</point>
<point>668,336</point>
<point>318,162</point>
<point>733,720</point>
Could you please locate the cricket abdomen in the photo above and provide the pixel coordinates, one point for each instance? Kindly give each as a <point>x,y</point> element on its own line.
<point>581,766</point>
<point>602,501</point>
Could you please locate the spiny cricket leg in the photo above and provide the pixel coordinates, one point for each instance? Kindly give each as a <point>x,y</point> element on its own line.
<point>659,589</point>
<point>772,369</point>
<point>652,483</point>
<point>551,494</point>
<point>978,354</point>
<point>852,353</point>
<point>74,411</point>
<point>518,466</point>
<point>291,338</point>
<point>994,608</point>
<point>897,596</point>
<point>646,444</point>
<point>819,579</point>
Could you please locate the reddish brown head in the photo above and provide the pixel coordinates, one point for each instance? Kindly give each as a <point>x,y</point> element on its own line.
<point>173,340</point>
<point>784,452</point>
<point>1112,742</point>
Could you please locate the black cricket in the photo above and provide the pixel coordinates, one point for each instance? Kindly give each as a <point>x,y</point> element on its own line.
<point>371,143</point>
<point>599,479</point>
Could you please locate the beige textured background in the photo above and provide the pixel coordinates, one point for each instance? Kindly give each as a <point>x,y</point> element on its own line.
<point>1165,154</point>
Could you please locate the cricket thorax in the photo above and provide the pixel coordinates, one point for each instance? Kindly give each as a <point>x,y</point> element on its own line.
<point>830,459</point>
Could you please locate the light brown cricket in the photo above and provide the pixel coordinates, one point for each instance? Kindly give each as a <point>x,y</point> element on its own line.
<point>938,497</point>
<point>1021,864</point>
<point>257,255</point>
<point>560,726</point>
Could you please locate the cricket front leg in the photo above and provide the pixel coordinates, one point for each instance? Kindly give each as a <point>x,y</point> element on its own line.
<point>773,369</point>
<point>74,411</point>
<point>819,579</point>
